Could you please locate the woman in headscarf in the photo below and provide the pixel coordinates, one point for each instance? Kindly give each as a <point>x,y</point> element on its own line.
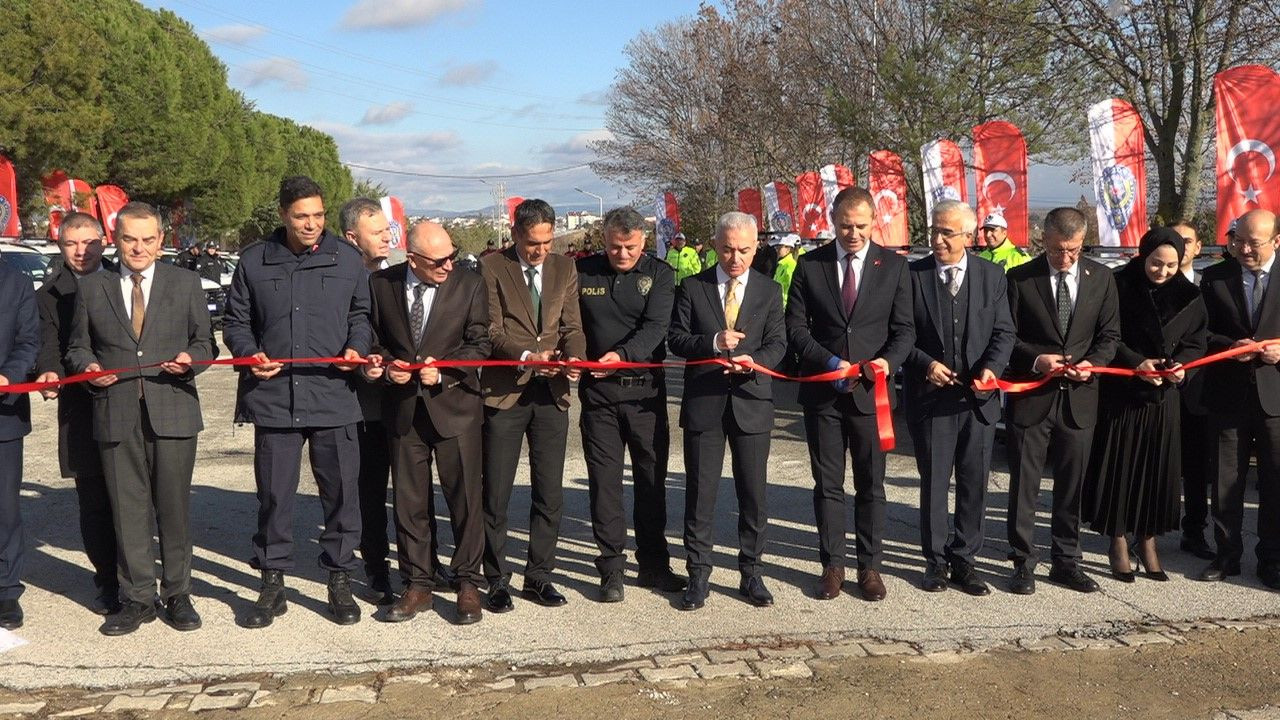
<point>1132,486</point>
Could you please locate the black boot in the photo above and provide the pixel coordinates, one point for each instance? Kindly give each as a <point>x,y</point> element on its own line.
<point>270,604</point>
<point>341,604</point>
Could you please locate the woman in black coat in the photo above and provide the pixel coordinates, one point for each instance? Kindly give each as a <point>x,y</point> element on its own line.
<point>1132,486</point>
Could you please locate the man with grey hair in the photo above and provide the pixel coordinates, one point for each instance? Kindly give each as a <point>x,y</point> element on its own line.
<point>963,333</point>
<point>735,313</point>
<point>626,296</point>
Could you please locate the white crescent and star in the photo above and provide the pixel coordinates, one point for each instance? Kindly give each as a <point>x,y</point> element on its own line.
<point>893,209</point>
<point>817,215</point>
<point>1003,177</point>
<point>1251,193</point>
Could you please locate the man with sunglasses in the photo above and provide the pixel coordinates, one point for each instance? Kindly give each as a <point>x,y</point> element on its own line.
<point>424,310</point>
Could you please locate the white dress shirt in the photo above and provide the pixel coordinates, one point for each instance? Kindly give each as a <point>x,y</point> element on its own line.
<point>961,267</point>
<point>537,275</point>
<point>859,259</point>
<point>411,281</point>
<point>126,287</point>
<point>1073,282</point>
<point>739,291</point>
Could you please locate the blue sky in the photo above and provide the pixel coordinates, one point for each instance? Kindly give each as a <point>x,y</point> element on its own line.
<point>450,87</point>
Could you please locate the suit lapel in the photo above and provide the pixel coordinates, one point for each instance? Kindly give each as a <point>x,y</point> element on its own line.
<point>520,287</point>
<point>396,286</point>
<point>159,290</point>
<point>711,291</point>
<point>444,291</point>
<point>116,300</point>
<point>931,295</point>
<point>550,278</point>
<point>1235,286</point>
<point>1043,282</point>
<point>832,275</point>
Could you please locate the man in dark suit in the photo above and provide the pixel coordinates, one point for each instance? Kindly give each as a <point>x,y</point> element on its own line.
<point>425,310</point>
<point>963,334</point>
<point>850,302</point>
<point>1243,397</point>
<point>19,344</point>
<point>533,315</point>
<point>146,420</point>
<point>1064,309</point>
<point>80,244</point>
<point>734,312</point>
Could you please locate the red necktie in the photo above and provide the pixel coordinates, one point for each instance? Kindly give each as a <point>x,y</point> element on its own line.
<point>849,290</point>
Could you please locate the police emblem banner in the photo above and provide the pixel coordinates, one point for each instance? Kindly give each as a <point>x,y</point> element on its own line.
<point>779,210</point>
<point>1119,172</point>
<point>9,226</point>
<point>394,210</point>
<point>667,223</point>
<point>943,167</point>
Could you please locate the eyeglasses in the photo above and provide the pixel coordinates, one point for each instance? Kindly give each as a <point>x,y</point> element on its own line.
<point>1254,246</point>
<point>435,262</point>
<point>946,234</point>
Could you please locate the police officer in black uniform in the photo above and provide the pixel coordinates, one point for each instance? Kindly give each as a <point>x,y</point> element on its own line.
<point>626,298</point>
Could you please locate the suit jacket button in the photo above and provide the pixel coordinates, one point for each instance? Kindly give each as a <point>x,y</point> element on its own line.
<point>139,353</point>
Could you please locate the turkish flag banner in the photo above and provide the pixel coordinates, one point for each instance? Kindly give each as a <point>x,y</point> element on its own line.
<point>943,167</point>
<point>749,202</point>
<point>779,210</point>
<point>108,199</point>
<point>814,217</point>
<point>1248,133</point>
<point>888,187</point>
<point>834,179</point>
<point>1000,176</point>
<point>394,210</point>
<point>667,212</point>
<point>1119,172</point>
<point>9,225</point>
<point>512,203</point>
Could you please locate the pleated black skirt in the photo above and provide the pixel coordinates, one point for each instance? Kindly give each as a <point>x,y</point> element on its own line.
<point>1133,484</point>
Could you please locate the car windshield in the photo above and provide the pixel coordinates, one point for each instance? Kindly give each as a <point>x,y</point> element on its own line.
<point>35,265</point>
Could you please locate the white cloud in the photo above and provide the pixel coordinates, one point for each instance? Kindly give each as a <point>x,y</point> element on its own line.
<point>387,114</point>
<point>575,149</point>
<point>235,34</point>
<point>396,14</point>
<point>595,97</point>
<point>469,74</point>
<point>397,151</point>
<point>285,71</point>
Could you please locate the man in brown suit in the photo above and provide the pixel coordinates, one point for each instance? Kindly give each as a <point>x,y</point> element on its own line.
<point>533,315</point>
<point>425,310</point>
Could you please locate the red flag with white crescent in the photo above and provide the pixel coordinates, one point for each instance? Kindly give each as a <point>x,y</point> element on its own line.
<point>813,218</point>
<point>942,165</point>
<point>512,202</point>
<point>1248,134</point>
<point>9,225</point>
<point>749,202</point>
<point>779,209</point>
<point>888,187</point>
<point>394,210</point>
<point>109,199</point>
<point>834,179</point>
<point>1000,175</point>
<point>667,221</point>
<point>1119,172</point>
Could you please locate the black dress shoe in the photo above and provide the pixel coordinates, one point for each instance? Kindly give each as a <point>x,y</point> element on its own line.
<point>1123,576</point>
<point>1270,575</point>
<point>611,587</point>
<point>1023,580</point>
<point>10,614</point>
<point>1219,571</point>
<point>544,593</point>
<point>341,605</point>
<point>752,588</point>
<point>967,579</point>
<point>270,603</point>
<point>696,594</point>
<point>130,617</point>
<point>662,579</point>
<point>1196,545</point>
<point>380,584</point>
<point>1074,578</point>
<point>935,577</point>
<point>107,601</point>
<point>499,599</point>
<point>181,614</point>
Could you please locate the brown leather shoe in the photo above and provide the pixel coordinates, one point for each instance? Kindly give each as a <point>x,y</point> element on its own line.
<point>413,601</point>
<point>830,583</point>
<point>871,585</point>
<point>469,605</point>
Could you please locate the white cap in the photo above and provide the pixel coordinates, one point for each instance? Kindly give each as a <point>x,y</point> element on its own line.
<point>679,235</point>
<point>995,220</point>
<point>790,240</point>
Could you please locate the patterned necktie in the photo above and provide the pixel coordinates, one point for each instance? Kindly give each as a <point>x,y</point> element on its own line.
<point>535,296</point>
<point>139,304</point>
<point>849,290</point>
<point>1064,304</point>
<point>953,281</point>
<point>1257,297</point>
<point>416,313</point>
<point>731,303</point>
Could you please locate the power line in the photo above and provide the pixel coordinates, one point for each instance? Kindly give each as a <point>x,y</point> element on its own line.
<point>467,177</point>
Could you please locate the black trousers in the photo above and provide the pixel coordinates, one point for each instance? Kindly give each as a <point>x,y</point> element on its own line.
<point>608,432</point>
<point>959,441</point>
<point>12,534</point>
<point>149,481</point>
<point>457,464</point>
<point>375,468</point>
<point>335,462</point>
<point>537,417</point>
<point>704,462</point>
<point>1246,431</point>
<point>97,529</point>
<point>833,435</point>
<point>1197,483</point>
<point>1054,441</point>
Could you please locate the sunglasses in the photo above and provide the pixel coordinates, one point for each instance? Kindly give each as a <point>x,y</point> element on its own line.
<point>435,262</point>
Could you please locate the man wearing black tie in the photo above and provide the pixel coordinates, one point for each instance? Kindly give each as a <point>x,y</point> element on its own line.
<point>850,302</point>
<point>734,312</point>
<point>1064,310</point>
<point>1244,406</point>
<point>963,334</point>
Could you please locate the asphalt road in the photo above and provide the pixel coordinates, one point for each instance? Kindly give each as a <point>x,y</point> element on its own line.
<point>64,646</point>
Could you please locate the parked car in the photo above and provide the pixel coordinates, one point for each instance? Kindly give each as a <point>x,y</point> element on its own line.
<point>31,262</point>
